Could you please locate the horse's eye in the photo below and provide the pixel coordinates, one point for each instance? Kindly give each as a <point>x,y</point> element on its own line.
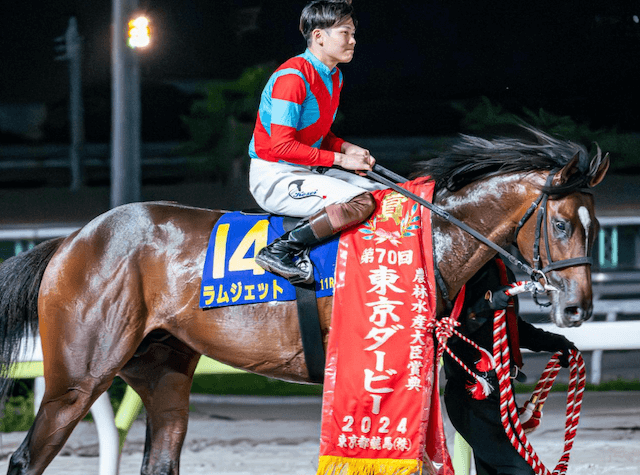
<point>560,226</point>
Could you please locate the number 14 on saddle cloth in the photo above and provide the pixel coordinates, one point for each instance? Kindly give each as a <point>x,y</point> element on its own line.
<point>231,276</point>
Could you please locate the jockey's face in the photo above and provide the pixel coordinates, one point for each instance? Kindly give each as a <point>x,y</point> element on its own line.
<point>336,44</point>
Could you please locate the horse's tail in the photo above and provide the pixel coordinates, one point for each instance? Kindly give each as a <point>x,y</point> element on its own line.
<point>20,278</point>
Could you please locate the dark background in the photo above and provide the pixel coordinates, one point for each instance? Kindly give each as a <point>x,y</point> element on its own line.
<point>414,59</point>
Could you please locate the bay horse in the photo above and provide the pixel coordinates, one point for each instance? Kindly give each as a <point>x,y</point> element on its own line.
<point>120,296</point>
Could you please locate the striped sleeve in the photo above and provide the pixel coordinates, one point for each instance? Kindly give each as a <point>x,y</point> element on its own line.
<point>331,142</point>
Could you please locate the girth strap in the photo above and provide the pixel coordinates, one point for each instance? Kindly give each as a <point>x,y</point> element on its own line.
<point>309,320</point>
<point>310,331</point>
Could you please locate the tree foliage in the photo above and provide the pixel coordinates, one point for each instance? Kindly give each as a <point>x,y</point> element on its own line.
<point>221,122</point>
<point>486,117</point>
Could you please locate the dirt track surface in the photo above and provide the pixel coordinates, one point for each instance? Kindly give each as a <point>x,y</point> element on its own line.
<point>247,436</point>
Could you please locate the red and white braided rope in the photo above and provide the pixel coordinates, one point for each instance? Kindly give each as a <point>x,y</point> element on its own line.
<point>509,412</point>
<point>444,329</point>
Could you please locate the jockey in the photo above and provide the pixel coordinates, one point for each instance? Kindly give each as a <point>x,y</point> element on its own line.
<point>477,418</point>
<point>295,155</point>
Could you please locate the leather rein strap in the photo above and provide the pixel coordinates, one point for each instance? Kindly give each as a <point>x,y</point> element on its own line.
<point>447,216</point>
<point>536,273</point>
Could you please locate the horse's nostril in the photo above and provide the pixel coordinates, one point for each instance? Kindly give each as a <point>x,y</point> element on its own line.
<point>573,313</point>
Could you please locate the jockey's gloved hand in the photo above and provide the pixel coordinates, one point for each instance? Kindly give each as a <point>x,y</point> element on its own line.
<point>485,306</point>
<point>537,339</point>
<point>498,299</point>
<point>565,346</point>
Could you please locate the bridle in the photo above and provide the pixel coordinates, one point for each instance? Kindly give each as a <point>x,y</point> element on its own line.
<point>542,228</point>
<point>541,225</point>
<point>536,273</point>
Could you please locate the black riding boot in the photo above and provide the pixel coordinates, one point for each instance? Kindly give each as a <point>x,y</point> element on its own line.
<point>278,257</point>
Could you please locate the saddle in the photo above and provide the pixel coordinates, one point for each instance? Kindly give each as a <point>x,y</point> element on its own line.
<point>231,276</point>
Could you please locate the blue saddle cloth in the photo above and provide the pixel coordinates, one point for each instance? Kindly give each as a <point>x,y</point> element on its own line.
<point>231,275</point>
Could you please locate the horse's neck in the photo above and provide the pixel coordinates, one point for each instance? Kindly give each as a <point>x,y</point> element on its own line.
<point>492,207</point>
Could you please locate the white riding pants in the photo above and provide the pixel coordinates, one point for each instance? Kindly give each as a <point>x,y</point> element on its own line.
<point>300,191</point>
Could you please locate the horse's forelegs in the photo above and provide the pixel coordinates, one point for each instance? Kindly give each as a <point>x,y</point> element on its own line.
<point>162,377</point>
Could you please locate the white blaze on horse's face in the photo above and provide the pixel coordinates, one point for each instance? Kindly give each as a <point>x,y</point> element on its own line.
<point>585,219</point>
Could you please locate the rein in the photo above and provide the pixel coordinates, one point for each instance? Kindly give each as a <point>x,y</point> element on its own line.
<point>536,272</point>
<point>452,219</point>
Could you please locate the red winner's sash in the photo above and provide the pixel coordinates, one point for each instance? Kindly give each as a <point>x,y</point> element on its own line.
<point>381,407</point>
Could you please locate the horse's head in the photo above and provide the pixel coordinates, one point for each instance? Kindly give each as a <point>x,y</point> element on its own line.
<point>557,238</point>
<point>530,193</point>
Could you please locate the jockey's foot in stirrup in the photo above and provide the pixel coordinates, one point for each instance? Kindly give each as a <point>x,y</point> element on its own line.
<point>288,255</point>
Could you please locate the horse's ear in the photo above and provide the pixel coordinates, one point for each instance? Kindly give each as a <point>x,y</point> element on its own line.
<point>567,171</point>
<point>598,176</point>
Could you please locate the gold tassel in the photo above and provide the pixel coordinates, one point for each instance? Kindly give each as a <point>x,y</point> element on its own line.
<point>332,465</point>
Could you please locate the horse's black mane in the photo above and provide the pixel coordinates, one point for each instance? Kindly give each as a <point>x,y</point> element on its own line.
<point>474,158</point>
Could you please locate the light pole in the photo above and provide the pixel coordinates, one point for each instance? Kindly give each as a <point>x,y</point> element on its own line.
<point>125,115</point>
<point>70,47</point>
